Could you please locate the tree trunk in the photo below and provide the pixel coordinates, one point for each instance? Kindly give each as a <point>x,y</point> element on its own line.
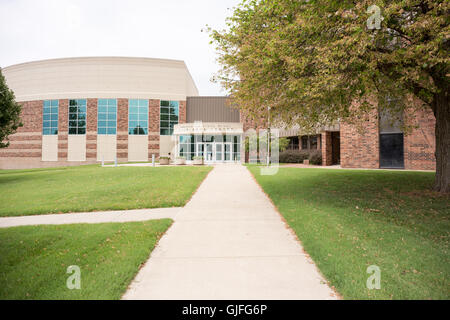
<point>441,110</point>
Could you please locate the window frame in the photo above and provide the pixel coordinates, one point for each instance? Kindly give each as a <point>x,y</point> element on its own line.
<point>51,128</point>
<point>138,116</point>
<point>170,123</point>
<point>107,113</point>
<point>85,118</point>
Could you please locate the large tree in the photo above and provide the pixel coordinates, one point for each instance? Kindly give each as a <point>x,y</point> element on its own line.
<point>316,62</point>
<point>9,113</point>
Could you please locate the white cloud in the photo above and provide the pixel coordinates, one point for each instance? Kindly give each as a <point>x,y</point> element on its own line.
<point>34,30</point>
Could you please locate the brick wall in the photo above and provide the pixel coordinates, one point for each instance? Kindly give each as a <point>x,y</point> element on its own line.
<point>326,146</point>
<point>63,129</point>
<point>153,128</point>
<point>122,129</point>
<point>27,141</point>
<point>91,130</point>
<point>420,143</point>
<point>360,148</point>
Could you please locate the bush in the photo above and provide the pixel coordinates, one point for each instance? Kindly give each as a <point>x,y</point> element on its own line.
<point>297,156</point>
<point>293,156</point>
<point>315,157</point>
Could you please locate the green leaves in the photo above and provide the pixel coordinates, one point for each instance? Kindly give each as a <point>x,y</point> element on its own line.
<point>9,112</point>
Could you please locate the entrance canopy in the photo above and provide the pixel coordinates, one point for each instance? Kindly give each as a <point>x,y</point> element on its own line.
<point>198,127</point>
<point>214,142</point>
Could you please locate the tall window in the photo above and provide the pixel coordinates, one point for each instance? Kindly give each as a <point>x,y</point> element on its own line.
<point>77,116</point>
<point>50,117</point>
<point>169,112</point>
<point>107,116</point>
<point>138,117</point>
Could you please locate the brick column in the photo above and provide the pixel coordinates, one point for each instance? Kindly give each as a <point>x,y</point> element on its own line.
<point>153,128</point>
<point>91,130</point>
<point>122,129</point>
<point>63,129</point>
<point>327,157</point>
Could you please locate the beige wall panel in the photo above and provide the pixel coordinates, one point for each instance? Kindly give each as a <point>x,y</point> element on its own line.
<point>106,147</point>
<point>76,148</point>
<point>137,148</point>
<point>167,145</point>
<point>105,77</point>
<point>50,148</point>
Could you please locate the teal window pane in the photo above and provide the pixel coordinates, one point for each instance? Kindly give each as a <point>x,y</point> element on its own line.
<point>112,102</point>
<point>102,130</point>
<point>111,124</point>
<point>46,131</point>
<point>112,109</point>
<point>54,124</point>
<point>102,116</point>
<point>133,117</point>
<point>102,102</point>
<point>47,103</point>
<point>46,117</point>
<point>111,130</point>
<point>54,130</point>
<point>102,109</point>
<point>102,124</point>
<point>54,117</point>
<point>46,124</point>
<point>112,116</point>
<point>173,104</point>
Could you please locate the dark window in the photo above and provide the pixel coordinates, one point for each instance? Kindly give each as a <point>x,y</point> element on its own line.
<point>313,142</point>
<point>304,142</point>
<point>391,150</point>
<point>77,116</point>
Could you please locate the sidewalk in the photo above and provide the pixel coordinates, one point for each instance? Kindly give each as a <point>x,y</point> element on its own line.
<point>91,217</point>
<point>229,242</point>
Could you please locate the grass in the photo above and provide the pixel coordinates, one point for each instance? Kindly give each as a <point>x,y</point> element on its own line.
<point>348,220</point>
<point>34,259</point>
<point>93,188</point>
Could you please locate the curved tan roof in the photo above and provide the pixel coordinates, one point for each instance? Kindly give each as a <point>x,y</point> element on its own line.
<point>101,77</point>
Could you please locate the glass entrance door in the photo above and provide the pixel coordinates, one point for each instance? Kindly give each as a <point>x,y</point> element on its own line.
<point>227,151</point>
<point>219,153</point>
<point>209,155</point>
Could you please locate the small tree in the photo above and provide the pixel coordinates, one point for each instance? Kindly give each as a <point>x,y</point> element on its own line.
<point>9,113</point>
<point>315,62</point>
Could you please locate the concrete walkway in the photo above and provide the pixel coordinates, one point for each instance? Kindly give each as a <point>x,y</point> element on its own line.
<point>91,217</point>
<point>229,242</point>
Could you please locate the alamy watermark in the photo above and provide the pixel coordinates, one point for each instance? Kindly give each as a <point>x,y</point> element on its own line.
<point>374,280</point>
<point>74,280</point>
<point>374,21</point>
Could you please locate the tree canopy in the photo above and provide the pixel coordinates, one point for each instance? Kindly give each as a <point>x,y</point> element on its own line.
<point>310,61</point>
<point>9,113</point>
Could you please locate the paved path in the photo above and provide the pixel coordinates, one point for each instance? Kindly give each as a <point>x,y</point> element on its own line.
<point>90,217</point>
<point>229,242</point>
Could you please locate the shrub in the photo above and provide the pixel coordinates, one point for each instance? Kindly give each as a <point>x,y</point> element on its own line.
<point>293,156</point>
<point>315,157</point>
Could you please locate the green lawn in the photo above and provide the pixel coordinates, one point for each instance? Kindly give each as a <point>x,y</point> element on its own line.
<point>34,259</point>
<point>348,220</point>
<point>93,188</point>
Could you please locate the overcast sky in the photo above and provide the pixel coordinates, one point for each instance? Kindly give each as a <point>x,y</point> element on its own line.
<point>34,30</point>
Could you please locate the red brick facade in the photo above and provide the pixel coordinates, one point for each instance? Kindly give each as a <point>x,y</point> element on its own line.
<point>420,143</point>
<point>63,129</point>
<point>153,128</point>
<point>27,141</point>
<point>91,130</point>
<point>360,146</point>
<point>122,129</point>
<point>327,155</point>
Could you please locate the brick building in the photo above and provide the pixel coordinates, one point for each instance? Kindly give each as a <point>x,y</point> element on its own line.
<point>85,110</point>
